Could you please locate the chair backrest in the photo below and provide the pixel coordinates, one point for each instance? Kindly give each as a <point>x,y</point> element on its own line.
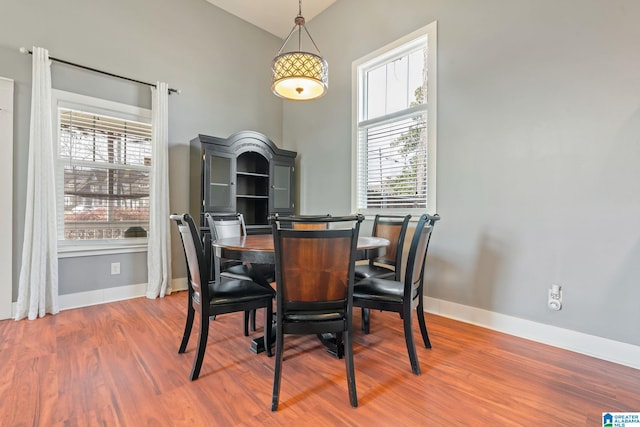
<point>393,228</point>
<point>313,225</point>
<point>197,269</point>
<point>315,267</point>
<point>223,225</point>
<point>310,226</point>
<point>416,260</point>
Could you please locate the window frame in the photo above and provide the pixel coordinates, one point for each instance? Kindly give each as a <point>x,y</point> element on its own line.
<point>380,56</point>
<point>89,104</point>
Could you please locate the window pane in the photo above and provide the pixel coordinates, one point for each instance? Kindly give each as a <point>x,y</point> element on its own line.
<point>376,92</point>
<point>105,164</point>
<point>417,77</point>
<point>397,85</point>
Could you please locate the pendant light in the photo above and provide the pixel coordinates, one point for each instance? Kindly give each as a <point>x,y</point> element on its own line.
<point>298,75</point>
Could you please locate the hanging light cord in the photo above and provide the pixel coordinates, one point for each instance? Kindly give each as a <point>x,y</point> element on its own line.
<point>299,24</point>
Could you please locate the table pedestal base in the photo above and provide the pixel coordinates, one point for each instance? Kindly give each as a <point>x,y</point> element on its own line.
<point>328,340</point>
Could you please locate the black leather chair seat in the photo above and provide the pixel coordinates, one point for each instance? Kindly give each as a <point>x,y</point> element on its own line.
<point>368,270</point>
<point>237,291</point>
<point>376,289</point>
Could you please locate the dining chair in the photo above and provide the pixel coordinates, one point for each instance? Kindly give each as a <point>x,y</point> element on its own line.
<point>210,298</point>
<point>224,225</point>
<point>403,296</point>
<point>387,266</point>
<point>393,228</point>
<point>314,277</point>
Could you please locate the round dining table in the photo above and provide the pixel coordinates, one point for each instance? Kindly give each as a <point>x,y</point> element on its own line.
<point>259,249</point>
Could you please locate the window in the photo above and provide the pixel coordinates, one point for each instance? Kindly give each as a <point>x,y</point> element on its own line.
<point>395,128</point>
<point>103,166</point>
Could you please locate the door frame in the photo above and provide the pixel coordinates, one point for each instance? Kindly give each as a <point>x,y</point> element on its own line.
<point>6,195</point>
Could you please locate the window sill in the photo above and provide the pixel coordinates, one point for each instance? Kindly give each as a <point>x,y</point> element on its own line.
<point>81,249</point>
<point>415,213</point>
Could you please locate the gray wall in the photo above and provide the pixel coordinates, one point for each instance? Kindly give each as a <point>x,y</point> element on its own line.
<point>220,63</point>
<point>538,150</point>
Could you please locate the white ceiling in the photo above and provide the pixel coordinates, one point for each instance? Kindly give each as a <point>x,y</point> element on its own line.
<point>274,16</point>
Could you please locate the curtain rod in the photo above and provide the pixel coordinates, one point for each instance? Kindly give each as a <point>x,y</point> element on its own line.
<point>27,51</point>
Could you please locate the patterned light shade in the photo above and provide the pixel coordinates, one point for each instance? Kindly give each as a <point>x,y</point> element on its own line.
<point>300,76</point>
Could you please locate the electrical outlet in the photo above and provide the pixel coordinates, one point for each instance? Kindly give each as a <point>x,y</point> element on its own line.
<point>554,302</point>
<point>115,268</point>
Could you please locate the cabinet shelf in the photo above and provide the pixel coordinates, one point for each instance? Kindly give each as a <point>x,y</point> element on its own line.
<point>251,196</point>
<point>258,175</point>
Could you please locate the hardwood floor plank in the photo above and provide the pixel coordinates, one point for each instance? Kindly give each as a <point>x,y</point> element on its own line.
<point>117,365</point>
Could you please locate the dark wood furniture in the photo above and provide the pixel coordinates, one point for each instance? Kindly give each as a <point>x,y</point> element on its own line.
<point>387,266</point>
<point>223,225</point>
<point>406,296</point>
<point>259,248</point>
<point>314,276</point>
<point>393,228</point>
<point>245,173</point>
<point>210,298</point>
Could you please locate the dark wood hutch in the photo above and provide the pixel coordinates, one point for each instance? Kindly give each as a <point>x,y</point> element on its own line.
<point>243,173</point>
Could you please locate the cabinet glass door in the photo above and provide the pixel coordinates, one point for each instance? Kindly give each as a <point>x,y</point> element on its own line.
<point>282,187</point>
<point>219,182</point>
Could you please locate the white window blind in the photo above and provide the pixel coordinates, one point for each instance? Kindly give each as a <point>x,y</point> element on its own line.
<point>105,163</point>
<point>393,162</point>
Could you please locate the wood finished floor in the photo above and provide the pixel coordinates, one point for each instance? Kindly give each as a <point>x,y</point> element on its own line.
<point>117,365</point>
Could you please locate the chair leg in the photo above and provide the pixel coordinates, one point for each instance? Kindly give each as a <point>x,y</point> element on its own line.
<point>202,346</point>
<point>411,347</point>
<point>187,328</point>
<point>339,345</point>
<point>252,319</point>
<point>423,327</point>
<point>366,319</point>
<point>351,376</point>
<point>268,328</point>
<point>246,323</point>
<point>277,372</point>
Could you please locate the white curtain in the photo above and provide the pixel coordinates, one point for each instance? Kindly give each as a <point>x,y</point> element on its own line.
<point>159,238</point>
<point>38,286</point>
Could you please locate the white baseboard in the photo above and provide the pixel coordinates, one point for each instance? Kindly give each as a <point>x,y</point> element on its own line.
<point>601,348</point>
<point>103,296</point>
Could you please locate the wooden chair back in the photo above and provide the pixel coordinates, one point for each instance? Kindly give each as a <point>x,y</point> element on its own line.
<point>393,228</point>
<point>313,262</point>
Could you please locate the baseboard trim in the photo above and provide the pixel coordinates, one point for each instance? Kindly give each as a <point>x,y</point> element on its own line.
<point>103,296</point>
<point>590,345</point>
